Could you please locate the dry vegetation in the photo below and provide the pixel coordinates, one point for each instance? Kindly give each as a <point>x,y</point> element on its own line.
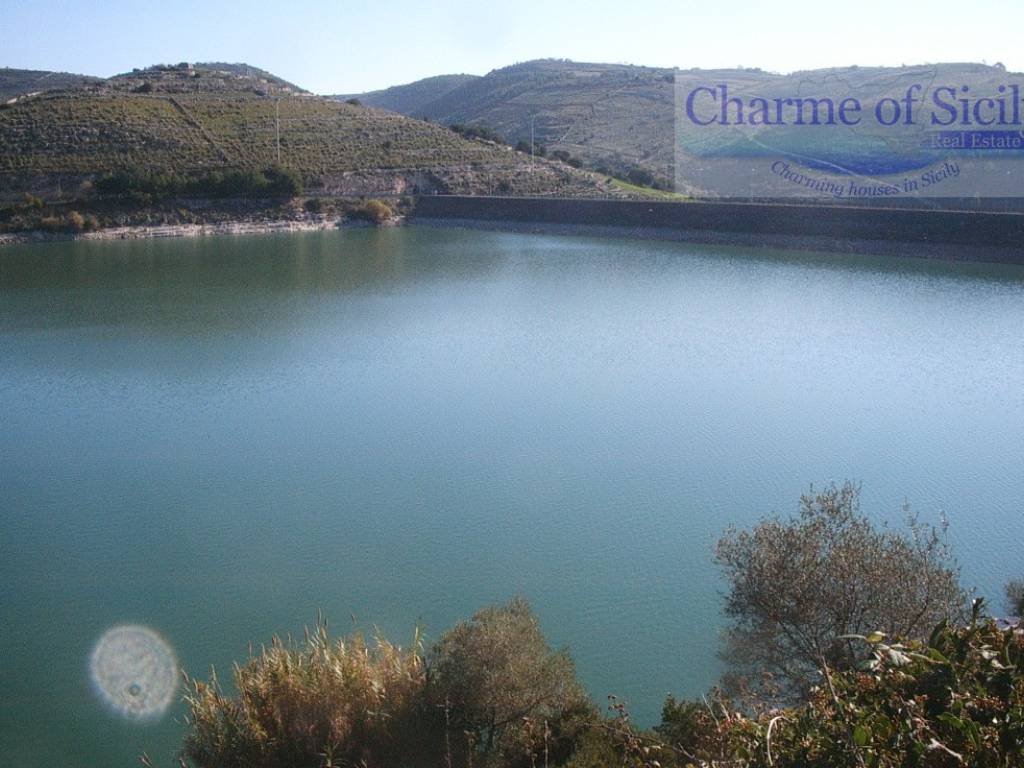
<point>190,121</point>
<point>328,703</point>
<point>18,82</point>
<point>611,116</point>
<point>491,693</point>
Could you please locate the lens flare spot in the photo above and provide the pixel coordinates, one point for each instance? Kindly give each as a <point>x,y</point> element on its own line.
<point>134,671</point>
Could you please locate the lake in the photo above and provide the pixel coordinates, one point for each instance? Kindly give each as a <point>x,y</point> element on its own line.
<point>216,438</point>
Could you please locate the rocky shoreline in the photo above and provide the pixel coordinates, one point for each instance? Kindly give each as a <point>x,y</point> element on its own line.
<point>178,230</point>
<point>842,244</point>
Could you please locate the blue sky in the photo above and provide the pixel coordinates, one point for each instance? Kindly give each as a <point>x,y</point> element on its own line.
<point>342,46</point>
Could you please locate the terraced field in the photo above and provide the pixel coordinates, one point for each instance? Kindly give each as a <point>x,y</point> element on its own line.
<point>622,117</point>
<point>17,82</point>
<point>411,99</point>
<point>615,116</point>
<point>186,121</point>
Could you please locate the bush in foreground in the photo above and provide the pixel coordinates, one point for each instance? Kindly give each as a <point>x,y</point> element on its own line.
<point>491,692</point>
<point>954,700</point>
<point>319,703</point>
<point>798,588</point>
<point>502,685</point>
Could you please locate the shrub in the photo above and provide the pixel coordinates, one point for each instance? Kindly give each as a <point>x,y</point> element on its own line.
<point>683,724</point>
<point>500,682</point>
<point>53,224</point>
<point>1015,597</point>
<point>491,691</point>
<point>641,177</point>
<point>318,703</point>
<point>565,157</point>
<point>797,586</point>
<point>275,181</point>
<point>477,132</point>
<point>375,211</point>
<point>75,221</point>
<point>597,749</point>
<point>955,700</point>
<point>282,181</point>
<point>31,201</point>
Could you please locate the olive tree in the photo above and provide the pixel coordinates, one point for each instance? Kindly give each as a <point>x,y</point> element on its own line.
<point>504,689</point>
<point>797,586</point>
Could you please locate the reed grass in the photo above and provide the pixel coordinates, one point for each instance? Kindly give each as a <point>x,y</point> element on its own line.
<point>321,702</point>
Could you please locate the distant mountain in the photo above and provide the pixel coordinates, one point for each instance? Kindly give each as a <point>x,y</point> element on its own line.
<point>613,116</point>
<point>411,99</point>
<point>619,117</point>
<point>17,82</point>
<point>189,119</point>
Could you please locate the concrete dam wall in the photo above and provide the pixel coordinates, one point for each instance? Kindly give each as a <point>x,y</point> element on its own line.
<point>954,234</point>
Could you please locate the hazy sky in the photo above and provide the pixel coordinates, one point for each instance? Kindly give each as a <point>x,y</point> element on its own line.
<point>343,47</point>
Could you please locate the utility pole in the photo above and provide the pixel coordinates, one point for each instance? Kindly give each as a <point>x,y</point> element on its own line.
<point>533,118</point>
<point>277,124</point>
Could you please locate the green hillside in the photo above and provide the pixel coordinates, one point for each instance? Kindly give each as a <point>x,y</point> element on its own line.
<point>194,119</point>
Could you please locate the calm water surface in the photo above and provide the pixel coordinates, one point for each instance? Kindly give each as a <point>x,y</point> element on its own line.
<point>216,438</point>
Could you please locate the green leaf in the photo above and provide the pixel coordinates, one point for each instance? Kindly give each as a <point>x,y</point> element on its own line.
<point>861,735</point>
<point>937,632</point>
<point>951,720</point>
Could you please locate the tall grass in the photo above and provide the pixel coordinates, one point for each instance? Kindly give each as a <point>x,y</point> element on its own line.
<point>317,703</point>
<point>491,692</point>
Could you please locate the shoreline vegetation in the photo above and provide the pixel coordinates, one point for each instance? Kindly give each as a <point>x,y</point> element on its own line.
<point>849,644</point>
<point>182,217</point>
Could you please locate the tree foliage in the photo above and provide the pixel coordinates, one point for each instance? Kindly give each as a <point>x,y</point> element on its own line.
<point>274,181</point>
<point>496,674</point>
<point>954,700</point>
<point>374,211</point>
<point>798,586</point>
<point>478,132</point>
<point>1015,597</point>
<point>490,692</point>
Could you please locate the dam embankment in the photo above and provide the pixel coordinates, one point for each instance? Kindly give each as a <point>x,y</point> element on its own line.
<point>970,235</point>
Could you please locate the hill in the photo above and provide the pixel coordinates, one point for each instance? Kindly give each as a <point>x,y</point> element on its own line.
<point>411,99</point>
<point>196,119</point>
<point>249,71</point>
<point>18,82</point>
<point>612,116</point>
<point>621,118</point>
